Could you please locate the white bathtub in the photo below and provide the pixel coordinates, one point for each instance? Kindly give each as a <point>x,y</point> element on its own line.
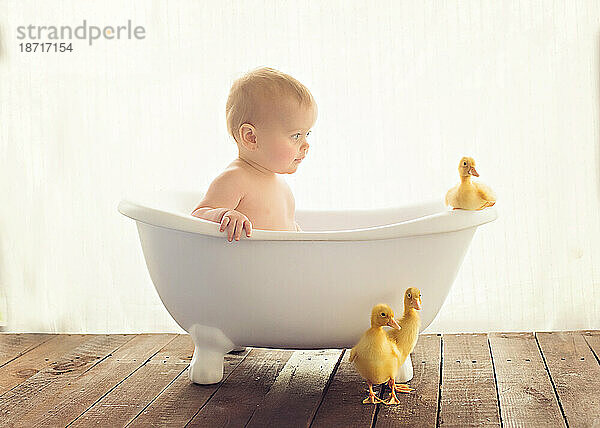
<point>301,290</point>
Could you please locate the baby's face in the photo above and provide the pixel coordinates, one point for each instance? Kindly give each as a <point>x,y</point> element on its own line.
<point>282,135</point>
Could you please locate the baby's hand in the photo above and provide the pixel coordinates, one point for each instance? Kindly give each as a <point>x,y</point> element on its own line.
<point>234,221</point>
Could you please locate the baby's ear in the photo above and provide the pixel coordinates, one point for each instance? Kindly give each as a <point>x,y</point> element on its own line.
<point>248,136</point>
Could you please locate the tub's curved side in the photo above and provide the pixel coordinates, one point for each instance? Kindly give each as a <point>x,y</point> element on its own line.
<point>304,294</point>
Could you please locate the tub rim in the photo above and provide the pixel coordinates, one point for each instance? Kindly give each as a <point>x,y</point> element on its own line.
<point>441,222</point>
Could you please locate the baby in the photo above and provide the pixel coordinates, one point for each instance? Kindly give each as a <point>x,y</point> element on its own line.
<point>269,115</point>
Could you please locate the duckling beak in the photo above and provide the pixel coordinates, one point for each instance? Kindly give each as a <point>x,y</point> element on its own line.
<point>473,171</point>
<point>392,323</point>
<point>417,304</point>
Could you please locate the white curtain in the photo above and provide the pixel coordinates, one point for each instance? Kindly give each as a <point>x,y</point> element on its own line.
<point>404,90</point>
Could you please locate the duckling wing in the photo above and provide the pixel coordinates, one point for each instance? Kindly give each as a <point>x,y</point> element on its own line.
<point>485,192</point>
<point>395,350</point>
<point>451,196</point>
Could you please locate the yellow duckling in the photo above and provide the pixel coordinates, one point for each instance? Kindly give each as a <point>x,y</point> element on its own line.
<point>468,195</point>
<point>410,323</point>
<point>375,356</point>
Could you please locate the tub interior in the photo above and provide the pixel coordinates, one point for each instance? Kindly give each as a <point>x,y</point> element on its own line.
<point>183,202</point>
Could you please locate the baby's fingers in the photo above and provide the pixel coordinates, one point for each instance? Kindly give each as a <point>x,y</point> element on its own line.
<point>231,229</point>
<point>238,229</point>
<point>224,223</point>
<point>248,227</point>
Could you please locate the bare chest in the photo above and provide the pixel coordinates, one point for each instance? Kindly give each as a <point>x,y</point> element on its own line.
<point>269,206</point>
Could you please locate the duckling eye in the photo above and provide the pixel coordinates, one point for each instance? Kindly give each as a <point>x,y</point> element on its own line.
<point>408,295</point>
<point>464,163</point>
<point>383,314</point>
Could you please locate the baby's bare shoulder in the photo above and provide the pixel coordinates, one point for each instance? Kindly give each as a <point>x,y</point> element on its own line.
<point>237,174</point>
<point>227,189</point>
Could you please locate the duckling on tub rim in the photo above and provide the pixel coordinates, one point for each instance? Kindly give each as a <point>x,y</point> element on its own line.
<point>296,290</point>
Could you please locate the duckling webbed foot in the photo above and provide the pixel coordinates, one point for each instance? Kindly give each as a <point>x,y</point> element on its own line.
<point>400,387</point>
<point>488,204</point>
<point>403,388</point>
<point>372,398</point>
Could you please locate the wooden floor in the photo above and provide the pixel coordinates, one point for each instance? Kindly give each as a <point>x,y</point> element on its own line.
<point>549,379</point>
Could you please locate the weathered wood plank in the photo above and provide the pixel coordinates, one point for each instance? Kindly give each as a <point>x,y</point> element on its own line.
<point>526,394</point>
<point>237,398</point>
<point>576,376</point>
<point>124,402</point>
<point>118,389</point>
<point>419,407</point>
<point>32,393</point>
<point>13,345</point>
<point>297,391</point>
<point>468,391</point>
<point>592,337</point>
<point>74,398</point>
<point>343,399</point>
<point>28,364</point>
<point>182,399</point>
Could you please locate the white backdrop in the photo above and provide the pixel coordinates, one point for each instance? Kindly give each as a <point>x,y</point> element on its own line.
<point>404,90</point>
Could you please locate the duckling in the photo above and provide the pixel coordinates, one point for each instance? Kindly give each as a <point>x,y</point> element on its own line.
<point>375,356</point>
<point>406,338</point>
<point>468,195</point>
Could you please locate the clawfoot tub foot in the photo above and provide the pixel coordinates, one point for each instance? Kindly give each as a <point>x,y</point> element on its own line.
<point>405,373</point>
<point>210,345</point>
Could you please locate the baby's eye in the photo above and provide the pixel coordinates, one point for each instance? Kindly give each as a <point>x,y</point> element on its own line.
<point>296,136</point>
<point>308,133</point>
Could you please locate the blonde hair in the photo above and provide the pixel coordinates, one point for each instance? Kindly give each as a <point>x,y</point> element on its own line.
<point>254,88</point>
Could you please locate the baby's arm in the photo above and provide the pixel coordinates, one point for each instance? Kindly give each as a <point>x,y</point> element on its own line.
<point>219,203</point>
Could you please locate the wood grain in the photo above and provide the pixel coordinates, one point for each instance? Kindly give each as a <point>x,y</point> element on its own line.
<point>28,364</point>
<point>80,394</point>
<point>298,389</point>
<point>343,401</point>
<point>177,404</point>
<point>243,391</point>
<point>12,345</point>
<point>125,401</point>
<point>576,375</point>
<point>509,379</point>
<point>526,394</point>
<point>418,408</point>
<point>468,391</point>
<point>31,394</point>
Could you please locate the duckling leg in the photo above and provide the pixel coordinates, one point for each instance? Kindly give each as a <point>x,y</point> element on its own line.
<point>393,399</point>
<point>372,398</point>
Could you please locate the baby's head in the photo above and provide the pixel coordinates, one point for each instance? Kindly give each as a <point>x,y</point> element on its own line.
<point>270,114</point>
